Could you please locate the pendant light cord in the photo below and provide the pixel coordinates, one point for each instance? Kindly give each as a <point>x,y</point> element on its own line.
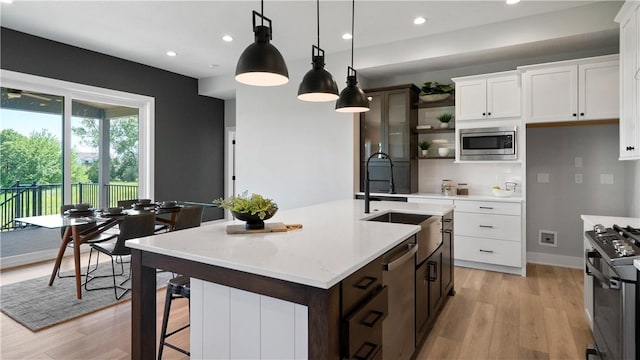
<point>262,12</point>
<point>353,10</point>
<point>318,20</point>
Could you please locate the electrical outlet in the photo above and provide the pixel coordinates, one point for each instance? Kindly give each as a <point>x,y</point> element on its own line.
<point>548,238</point>
<point>543,177</point>
<point>606,179</point>
<point>578,178</point>
<point>577,162</point>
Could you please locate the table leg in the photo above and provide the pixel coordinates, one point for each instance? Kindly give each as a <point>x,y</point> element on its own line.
<point>63,246</point>
<point>76,259</point>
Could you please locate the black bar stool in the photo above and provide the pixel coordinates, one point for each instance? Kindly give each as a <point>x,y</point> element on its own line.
<point>177,288</point>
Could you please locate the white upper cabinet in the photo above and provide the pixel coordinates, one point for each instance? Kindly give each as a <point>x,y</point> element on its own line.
<point>629,19</point>
<point>585,89</point>
<point>489,96</point>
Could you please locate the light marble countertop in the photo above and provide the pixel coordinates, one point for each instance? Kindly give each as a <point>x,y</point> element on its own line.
<point>333,243</point>
<point>516,199</point>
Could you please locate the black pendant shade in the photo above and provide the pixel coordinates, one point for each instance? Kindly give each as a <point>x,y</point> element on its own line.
<point>352,99</point>
<point>318,84</point>
<point>261,64</point>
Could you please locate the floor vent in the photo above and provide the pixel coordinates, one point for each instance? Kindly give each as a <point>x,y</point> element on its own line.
<point>548,238</point>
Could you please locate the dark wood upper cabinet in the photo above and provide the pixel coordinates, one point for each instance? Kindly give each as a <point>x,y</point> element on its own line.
<point>389,126</point>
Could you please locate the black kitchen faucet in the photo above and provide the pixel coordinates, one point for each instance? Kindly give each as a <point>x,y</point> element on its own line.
<point>392,187</point>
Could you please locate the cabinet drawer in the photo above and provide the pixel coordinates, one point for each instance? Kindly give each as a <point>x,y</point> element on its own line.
<point>489,251</point>
<point>363,329</point>
<point>504,227</point>
<point>488,207</point>
<point>359,286</point>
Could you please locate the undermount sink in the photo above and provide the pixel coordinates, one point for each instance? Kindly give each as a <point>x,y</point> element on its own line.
<point>401,218</point>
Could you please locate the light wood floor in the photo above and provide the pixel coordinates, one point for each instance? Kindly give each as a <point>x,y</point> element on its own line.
<point>492,316</point>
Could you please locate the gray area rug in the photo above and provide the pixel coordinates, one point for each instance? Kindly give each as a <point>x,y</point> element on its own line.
<point>37,306</point>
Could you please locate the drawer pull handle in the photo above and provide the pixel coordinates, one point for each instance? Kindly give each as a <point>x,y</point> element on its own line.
<point>372,318</point>
<point>486,207</point>
<point>365,282</point>
<point>486,251</point>
<point>487,226</point>
<point>411,250</point>
<point>372,350</point>
<point>435,271</point>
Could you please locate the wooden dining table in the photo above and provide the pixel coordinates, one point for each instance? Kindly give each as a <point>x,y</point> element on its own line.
<point>74,233</point>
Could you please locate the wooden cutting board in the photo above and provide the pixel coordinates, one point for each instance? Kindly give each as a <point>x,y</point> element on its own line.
<point>268,227</point>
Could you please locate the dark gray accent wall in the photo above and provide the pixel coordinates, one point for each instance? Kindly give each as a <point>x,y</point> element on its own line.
<point>189,128</point>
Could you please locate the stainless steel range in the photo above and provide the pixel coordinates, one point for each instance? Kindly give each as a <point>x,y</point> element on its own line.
<point>615,291</point>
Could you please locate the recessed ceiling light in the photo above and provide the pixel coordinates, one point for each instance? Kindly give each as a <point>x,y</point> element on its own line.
<point>419,20</point>
<point>346,36</point>
<point>511,2</point>
<point>171,53</point>
<point>227,38</point>
<point>213,66</point>
<point>6,1</point>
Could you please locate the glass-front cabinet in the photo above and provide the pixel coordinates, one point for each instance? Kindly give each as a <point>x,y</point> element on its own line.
<point>387,127</point>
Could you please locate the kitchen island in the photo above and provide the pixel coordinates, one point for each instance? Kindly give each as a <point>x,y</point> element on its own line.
<point>303,267</point>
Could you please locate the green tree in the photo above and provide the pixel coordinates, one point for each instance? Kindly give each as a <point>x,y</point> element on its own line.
<point>35,158</point>
<point>123,139</point>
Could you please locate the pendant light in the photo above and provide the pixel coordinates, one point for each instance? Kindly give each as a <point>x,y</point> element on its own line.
<point>261,64</point>
<point>352,99</point>
<point>318,84</point>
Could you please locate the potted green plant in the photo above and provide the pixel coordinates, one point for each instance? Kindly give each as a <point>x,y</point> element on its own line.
<point>444,119</point>
<point>434,91</point>
<point>253,209</point>
<point>424,146</point>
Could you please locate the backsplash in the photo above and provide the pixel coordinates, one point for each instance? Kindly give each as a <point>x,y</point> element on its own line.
<point>480,177</point>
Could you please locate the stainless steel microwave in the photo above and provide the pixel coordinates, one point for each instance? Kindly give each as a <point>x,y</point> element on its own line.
<point>488,144</point>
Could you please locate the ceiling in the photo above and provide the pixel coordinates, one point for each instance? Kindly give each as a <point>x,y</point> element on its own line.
<point>143,31</point>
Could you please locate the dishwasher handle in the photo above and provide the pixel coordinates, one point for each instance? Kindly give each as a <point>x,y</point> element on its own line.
<point>411,250</point>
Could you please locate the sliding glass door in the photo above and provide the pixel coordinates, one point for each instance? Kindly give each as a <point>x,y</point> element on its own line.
<point>64,143</point>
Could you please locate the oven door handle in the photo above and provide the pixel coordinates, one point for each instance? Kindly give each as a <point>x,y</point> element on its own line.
<point>590,269</point>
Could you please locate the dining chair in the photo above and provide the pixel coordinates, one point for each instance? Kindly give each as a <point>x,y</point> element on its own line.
<point>188,217</point>
<point>127,204</point>
<point>131,227</point>
<point>179,287</point>
<point>84,229</point>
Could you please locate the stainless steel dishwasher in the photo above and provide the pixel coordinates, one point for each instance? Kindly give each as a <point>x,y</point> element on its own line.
<point>398,329</point>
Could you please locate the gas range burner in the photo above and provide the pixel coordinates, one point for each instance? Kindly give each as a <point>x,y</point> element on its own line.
<point>628,232</point>
<point>618,244</point>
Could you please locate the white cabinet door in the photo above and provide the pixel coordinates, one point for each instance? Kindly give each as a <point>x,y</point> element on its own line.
<point>598,91</point>
<point>503,97</point>
<point>471,100</point>
<point>551,94</point>
<point>629,87</point>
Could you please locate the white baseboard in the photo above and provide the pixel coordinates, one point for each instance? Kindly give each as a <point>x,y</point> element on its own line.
<point>490,267</point>
<point>573,262</point>
<point>35,257</point>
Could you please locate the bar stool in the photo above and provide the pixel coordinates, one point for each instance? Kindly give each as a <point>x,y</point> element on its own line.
<point>177,288</point>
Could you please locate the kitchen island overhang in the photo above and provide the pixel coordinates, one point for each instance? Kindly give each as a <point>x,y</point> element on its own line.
<point>303,267</point>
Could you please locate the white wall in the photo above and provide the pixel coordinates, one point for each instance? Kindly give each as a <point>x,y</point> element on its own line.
<point>296,152</point>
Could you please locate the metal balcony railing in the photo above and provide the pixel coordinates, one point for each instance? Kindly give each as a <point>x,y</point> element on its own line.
<point>45,199</point>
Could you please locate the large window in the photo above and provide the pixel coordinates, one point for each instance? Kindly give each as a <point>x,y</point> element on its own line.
<point>65,143</point>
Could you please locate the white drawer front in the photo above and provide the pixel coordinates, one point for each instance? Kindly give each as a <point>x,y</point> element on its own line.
<point>490,251</point>
<point>429,201</point>
<point>504,227</point>
<point>488,207</point>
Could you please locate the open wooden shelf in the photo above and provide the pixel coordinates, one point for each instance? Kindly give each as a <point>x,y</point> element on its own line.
<point>436,157</point>
<point>433,131</point>
<point>450,101</point>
